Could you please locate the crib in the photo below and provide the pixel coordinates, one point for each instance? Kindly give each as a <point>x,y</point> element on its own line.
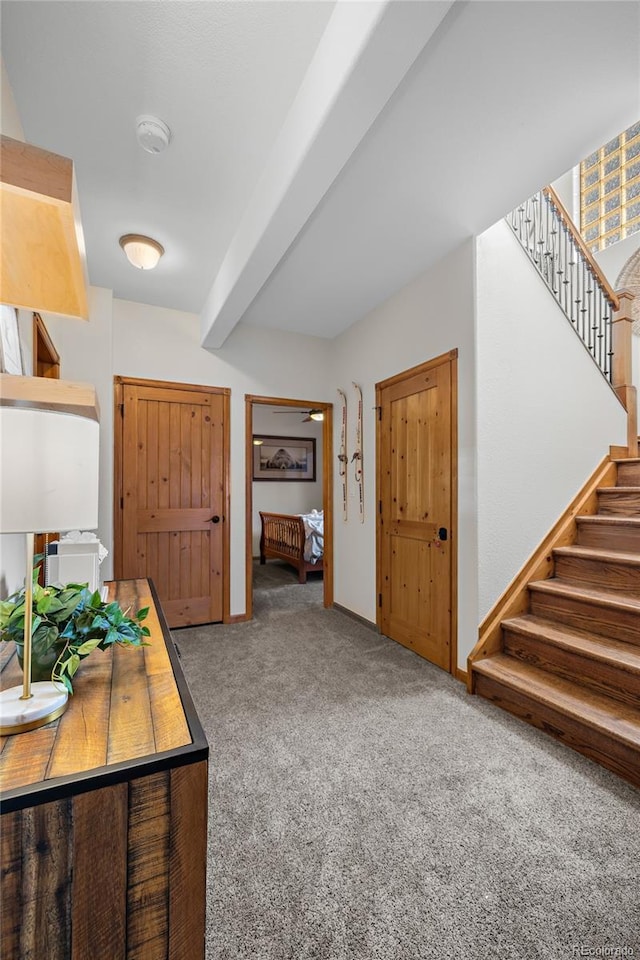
<point>283,537</point>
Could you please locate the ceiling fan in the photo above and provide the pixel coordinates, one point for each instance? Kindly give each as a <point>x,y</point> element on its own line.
<point>312,414</point>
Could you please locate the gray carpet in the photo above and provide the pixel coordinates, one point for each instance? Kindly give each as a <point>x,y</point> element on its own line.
<point>362,806</point>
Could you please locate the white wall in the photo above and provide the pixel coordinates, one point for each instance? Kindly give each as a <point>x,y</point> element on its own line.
<point>568,189</point>
<point>546,416</point>
<point>612,260</point>
<point>137,340</point>
<point>12,548</point>
<point>428,317</point>
<point>10,123</point>
<point>164,344</point>
<point>285,496</point>
<point>532,374</point>
<point>86,354</point>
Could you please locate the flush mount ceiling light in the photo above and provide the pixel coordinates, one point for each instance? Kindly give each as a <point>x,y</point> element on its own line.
<point>152,134</point>
<point>142,252</point>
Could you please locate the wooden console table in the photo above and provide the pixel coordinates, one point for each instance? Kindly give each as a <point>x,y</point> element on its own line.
<point>104,812</point>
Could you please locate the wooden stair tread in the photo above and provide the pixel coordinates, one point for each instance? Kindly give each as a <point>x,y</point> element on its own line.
<point>628,459</point>
<point>602,518</point>
<point>581,642</point>
<point>612,718</point>
<point>603,554</point>
<point>618,490</point>
<point>601,596</point>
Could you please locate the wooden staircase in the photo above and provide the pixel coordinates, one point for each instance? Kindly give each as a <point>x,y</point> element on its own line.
<point>570,665</point>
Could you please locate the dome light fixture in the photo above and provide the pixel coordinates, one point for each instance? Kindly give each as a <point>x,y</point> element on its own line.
<point>142,252</point>
<point>316,414</point>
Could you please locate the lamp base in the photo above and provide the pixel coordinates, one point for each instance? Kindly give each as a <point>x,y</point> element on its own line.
<point>48,702</point>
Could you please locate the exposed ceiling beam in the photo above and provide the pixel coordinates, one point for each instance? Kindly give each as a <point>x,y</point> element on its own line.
<point>363,56</point>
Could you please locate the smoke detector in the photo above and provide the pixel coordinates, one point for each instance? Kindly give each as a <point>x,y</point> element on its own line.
<point>152,134</point>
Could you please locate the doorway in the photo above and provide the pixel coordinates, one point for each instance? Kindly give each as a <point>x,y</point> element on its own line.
<point>258,403</point>
<point>416,455</point>
<point>171,489</point>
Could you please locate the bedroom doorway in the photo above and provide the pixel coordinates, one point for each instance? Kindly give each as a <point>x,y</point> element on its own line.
<point>269,420</point>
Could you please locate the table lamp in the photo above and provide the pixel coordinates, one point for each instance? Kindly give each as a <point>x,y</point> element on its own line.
<point>49,435</point>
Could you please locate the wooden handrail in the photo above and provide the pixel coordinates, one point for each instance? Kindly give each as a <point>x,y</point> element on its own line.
<point>550,193</point>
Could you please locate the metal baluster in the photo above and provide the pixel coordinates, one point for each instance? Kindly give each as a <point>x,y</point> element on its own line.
<point>609,322</point>
<point>527,221</point>
<point>552,248</point>
<point>576,301</point>
<point>540,236</point>
<point>597,319</point>
<point>588,305</point>
<point>565,276</point>
<point>587,332</point>
<point>546,231</point>
<point>603,330</point>
<point>556,249</point>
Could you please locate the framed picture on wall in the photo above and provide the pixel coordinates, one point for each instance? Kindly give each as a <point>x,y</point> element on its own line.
<point>284,458</point>
<point>10,352</point>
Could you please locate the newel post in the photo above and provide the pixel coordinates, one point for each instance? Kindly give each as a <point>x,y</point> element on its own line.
<point>622,377</point>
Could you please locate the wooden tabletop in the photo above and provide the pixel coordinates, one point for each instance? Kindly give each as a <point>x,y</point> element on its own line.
<point>130,708</point>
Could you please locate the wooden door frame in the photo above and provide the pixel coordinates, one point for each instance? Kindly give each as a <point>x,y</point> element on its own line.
<point>119,383</point>
<point>44,351</point>
<point>450,357</point>
<point>327,488</point>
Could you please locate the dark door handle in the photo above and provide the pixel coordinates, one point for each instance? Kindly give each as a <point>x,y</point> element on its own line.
<point>442,533</point>
<point>215,519</point>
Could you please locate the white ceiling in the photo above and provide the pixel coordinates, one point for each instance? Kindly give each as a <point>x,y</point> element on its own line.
<point>221,74</point>
<point>323,154</point>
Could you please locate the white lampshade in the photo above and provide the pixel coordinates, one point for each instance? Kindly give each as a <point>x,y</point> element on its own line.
<point>141,252</point>
<point>48,471</point>
<point>49,434</point>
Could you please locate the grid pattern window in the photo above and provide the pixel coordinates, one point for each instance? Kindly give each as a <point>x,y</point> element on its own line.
<point>610,191</point>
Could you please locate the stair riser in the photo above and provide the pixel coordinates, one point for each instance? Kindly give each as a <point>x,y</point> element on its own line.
<point>619,504</point>
<point>577,734</point>
<point>624,579</point>
<point>629,474</point>
<point>580,613</point>
<point>602,677</point>
<point>610,537</point>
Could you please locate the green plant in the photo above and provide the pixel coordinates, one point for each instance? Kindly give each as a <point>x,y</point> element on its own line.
<point>69,623</point>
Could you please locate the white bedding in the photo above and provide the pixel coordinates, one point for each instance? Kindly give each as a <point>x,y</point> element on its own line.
<point>314,535</point>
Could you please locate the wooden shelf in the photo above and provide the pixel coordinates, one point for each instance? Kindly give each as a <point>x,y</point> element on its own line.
<point>41,393</point>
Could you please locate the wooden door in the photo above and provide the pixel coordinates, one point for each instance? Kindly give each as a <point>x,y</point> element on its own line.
<point>173,496</point>
<point>416,477</point>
